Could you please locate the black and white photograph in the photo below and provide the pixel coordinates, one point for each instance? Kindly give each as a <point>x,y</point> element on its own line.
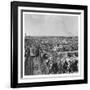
<point>50,44</point>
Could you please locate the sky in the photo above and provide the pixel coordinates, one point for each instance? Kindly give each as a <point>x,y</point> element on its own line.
<point>50,25</point>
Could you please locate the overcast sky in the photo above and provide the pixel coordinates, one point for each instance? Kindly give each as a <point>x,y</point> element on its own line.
<point>50,25</point>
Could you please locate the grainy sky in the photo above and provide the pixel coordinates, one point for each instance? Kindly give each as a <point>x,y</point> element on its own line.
<point>50,25</point>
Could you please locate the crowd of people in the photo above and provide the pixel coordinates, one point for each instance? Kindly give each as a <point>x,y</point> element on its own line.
<point>51,55</point>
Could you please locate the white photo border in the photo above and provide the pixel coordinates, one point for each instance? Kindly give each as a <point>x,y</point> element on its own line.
<point>40,78</point>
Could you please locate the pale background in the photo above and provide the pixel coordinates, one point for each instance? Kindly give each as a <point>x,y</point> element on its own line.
<point>37,24</point>
<point>5,46</point>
